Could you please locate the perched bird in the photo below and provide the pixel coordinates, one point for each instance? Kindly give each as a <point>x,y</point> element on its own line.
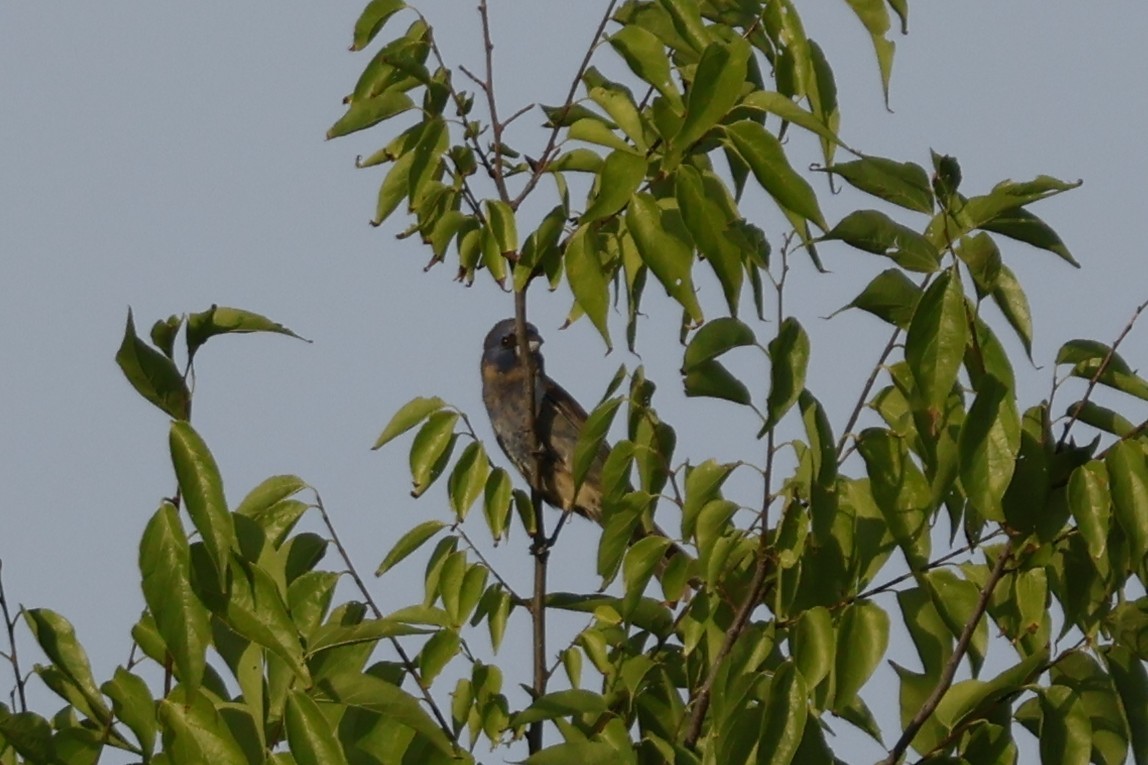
<point>559,420</point>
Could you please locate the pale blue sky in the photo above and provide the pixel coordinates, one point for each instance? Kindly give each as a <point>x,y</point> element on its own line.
<point>167,156</point>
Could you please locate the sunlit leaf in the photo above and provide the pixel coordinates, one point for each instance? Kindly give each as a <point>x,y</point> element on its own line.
<point>153,375</point>
<point>763,153</point>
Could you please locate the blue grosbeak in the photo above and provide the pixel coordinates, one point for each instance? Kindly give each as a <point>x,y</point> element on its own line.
<point>559,420</point>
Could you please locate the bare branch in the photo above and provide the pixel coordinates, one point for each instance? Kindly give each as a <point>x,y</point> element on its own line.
<point>950,669</point>
<point>1101,369</point>
<point>408,665</point>
<point>13,657</point>
<point>552,142</point>
<point>540,547</point>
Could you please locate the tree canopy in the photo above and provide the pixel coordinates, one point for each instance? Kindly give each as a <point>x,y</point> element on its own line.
<point>944,500</point>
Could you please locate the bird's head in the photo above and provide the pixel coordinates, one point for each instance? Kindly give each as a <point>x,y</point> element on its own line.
<point>501,345</point>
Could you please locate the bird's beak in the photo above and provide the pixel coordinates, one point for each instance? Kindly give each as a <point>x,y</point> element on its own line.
<point>534,344</point>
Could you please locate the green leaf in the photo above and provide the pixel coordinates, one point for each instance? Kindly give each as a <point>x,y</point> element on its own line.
<point>935,343</point>
<point>715,338</point>
<point>786,710</point>
<point>412,413</point>
<point>309,734</point>
<point>202,490</point>
<point>1131,681</point>
<point>468,479</point>
<point>408,543</point>
<point>500,219</point>
<point>1065,731</point>
<point>496,502</point>
<point>372,19</point>
<point>902,183</point>
<point>875,16</point>
<point>1010,298</point>
<point>132,703</point>
<point>592,438</point>
<point>890,296</point>
<point>981,254</point>
<point>711,379</point>
<point>763,153</point>
<point>573,753</point>
<point>431,449</point>
<point>875,232</point>
<point>561,704</point>
<point>715,89</point>
<point>195,731</point>
<point>1128,477</point>
<point>220,320</point>
<point>1091,505</point>
<point>57,639</point>
<point>369,112</point>
<point>980,210</point>
<point>1101,417</point>
<point>372,694</point>
<point>163,334</point>
<point>988,447</point>
<point>618,102</point>
<point>153,375</point>
<point>708,226</point>
<point>1023,226</point>
<point>587,280</point>
<point>900,491</point>
<point>646,57</point>
<point>931,637</point>
<point>813,645</point>
<point>789,358</point>
<point>1110,734</point>
<point>596,131</point>
<point>638,567</point>
<point>437,652</point>
<point>269,493</point>
<point>664,246</point>
<point>785,108</point>
<point>862,637</point>
<point>255,610</point>
<point>180,618</point>
<point>618,179</point>
<point>394,188</point>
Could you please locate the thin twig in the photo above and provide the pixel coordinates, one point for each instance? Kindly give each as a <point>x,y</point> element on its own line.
<point>856,413</point>
<point>482,559</point>
<point>10,628</point>
<point>701,701</point>
<point>495,125</point>
<point>408,664</point>
<point>927,567</point>
<point>552,142</point>
<point>1101,370</point>
<point>950,669</point>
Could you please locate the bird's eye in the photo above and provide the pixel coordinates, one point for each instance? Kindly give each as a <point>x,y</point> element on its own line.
<point>508,340</point>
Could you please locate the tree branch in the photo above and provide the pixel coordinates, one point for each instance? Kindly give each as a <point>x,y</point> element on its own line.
<point>487,86</point>
<point>10,628</point>
<point>1101,369</point>
<point>539,548</point>
<point>950,668</point>
<point>408,665</point>
<point>552,142</point>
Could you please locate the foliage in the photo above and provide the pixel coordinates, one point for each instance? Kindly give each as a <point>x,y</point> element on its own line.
<point>768,636</point>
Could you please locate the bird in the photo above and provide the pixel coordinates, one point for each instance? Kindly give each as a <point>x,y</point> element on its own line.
<point>559,419</point>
